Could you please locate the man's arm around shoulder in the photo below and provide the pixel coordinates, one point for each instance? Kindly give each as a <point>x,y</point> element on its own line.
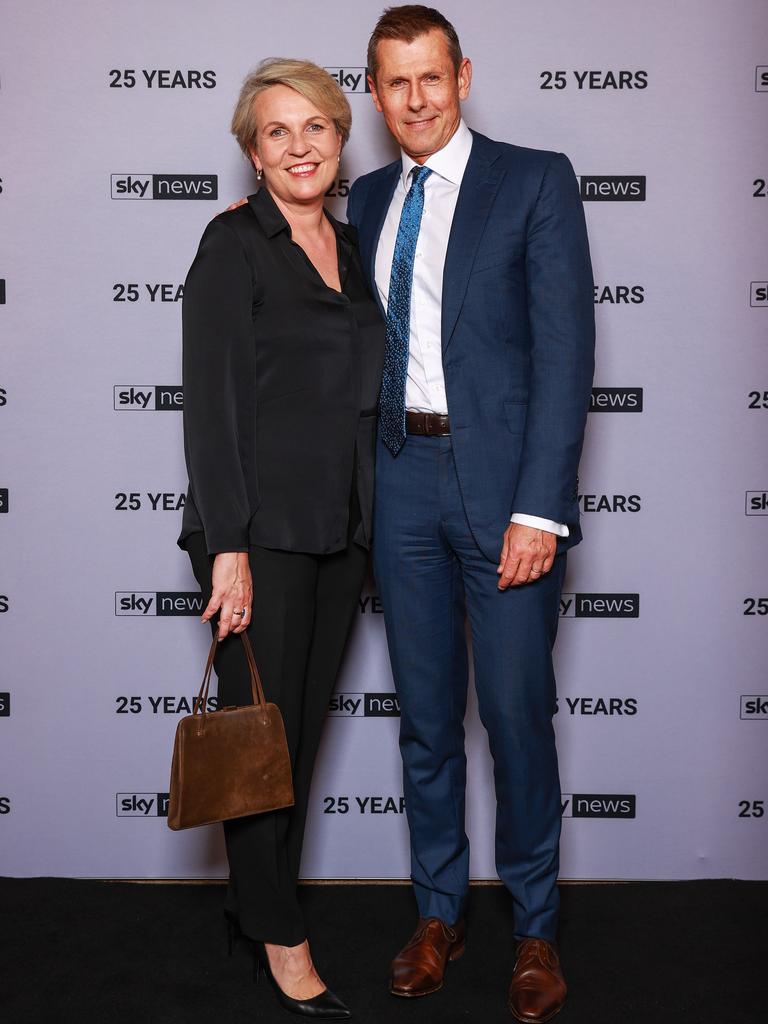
<point>355,202</point>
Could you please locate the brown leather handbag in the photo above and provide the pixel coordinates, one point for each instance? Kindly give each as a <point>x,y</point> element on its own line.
<point>230,762</point>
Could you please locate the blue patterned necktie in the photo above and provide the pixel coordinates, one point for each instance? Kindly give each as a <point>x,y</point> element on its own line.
<point>392,400</point>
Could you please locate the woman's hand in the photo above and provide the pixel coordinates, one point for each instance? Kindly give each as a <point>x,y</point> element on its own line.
<point>232,592</point>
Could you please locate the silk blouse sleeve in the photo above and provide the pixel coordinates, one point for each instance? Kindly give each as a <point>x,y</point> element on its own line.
<point>218,370</point>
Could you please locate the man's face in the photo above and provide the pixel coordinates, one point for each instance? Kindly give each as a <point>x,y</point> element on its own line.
<point>419,92</point>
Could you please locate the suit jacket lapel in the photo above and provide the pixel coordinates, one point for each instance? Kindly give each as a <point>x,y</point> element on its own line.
<point>376,207</point>
<point>478,190</point>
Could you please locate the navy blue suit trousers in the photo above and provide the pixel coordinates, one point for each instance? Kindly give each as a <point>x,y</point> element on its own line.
<point>517,329</point>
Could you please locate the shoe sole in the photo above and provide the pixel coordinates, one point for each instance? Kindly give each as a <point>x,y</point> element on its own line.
<point>403,994</point>
<point>535,1020</point>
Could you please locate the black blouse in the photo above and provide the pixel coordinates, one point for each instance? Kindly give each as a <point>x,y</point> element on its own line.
<point>281,379</point>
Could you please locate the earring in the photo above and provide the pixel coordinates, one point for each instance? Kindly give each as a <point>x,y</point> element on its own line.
<point>259,174</point>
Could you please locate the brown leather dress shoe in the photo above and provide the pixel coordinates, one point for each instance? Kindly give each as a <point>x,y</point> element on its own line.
<point>537,991</point>
<point>418,968</point>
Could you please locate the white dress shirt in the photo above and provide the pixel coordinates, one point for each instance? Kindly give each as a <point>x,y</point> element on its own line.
<point>425,383</point>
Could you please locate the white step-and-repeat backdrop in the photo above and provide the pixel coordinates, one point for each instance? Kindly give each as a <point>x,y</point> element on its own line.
<point>115,154</point>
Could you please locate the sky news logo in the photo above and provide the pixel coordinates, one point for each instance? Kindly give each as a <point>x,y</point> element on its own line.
<point>761,78</point>
<point>599,805</point>
<point>141,805</point>
<point>758,293</point>
<point>754,707</point>
<point>148,397</point>
<point>164,186</point>
<point>612,188</point>
<point>5,705</point>
<point>616,400</point>
<point>364,705</point>
<point>755,503</point>
<point>158,603</point>
<point>600,606</point>
<point>350,79</point>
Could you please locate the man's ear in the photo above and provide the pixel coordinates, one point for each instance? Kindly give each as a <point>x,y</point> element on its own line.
<point>465,78</point>
<point>374,93</point>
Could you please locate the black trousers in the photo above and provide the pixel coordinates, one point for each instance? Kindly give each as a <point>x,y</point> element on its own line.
<point>303,607</point>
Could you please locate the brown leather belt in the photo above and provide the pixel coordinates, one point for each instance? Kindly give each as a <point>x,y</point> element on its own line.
<point>428,424</point>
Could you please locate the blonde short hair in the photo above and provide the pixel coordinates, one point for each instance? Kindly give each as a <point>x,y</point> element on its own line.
<point>309,80</point>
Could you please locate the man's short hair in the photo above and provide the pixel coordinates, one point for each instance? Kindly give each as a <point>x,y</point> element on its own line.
<point>406,23</point>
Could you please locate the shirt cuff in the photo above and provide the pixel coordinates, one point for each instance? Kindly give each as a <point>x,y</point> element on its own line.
<point>560,529</point>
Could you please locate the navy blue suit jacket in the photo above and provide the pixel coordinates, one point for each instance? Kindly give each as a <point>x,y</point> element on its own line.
<point>517,331</point>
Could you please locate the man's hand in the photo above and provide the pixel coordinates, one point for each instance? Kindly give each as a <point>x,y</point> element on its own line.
<point>526,555</point>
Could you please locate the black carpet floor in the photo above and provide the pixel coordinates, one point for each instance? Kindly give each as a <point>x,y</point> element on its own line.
<point>83,952</point>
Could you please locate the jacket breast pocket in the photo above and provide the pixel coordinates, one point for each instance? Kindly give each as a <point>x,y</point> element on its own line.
<point>516,413</point>
<point>498,261</point>
<point>501,253</point>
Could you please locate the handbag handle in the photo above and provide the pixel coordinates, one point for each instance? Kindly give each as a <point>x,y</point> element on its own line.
<point>257,690</point>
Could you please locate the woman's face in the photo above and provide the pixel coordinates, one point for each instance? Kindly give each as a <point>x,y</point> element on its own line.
<point>297,146</point>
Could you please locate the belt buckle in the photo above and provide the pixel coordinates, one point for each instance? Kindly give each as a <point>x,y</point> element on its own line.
<point>437,424</point>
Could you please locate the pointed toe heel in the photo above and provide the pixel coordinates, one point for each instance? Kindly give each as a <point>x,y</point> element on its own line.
<point>325,1006</point>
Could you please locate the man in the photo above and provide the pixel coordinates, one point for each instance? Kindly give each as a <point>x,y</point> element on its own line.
<point>478,253</point>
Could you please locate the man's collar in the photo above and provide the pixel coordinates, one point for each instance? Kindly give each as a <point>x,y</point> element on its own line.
<point>450,162</point>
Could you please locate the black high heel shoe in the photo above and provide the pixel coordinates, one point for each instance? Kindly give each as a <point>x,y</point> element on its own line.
<point>326,1006</point>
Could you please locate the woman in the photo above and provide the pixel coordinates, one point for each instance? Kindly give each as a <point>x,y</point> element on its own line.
<point>283,348</point>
